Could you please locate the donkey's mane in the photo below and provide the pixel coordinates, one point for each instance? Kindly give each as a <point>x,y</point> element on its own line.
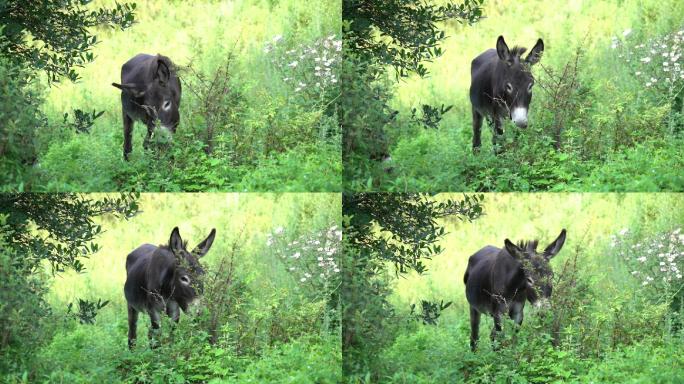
<point>166,246</point>
<point>528,245</point>
<point>517,51</point>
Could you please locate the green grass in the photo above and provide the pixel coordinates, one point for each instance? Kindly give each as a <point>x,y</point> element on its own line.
<point>615,111</point>
<point>202,34</point>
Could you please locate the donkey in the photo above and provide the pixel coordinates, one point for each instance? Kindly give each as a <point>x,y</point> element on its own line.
<point>150,91</point>
<point>163,278</point>
<point>501,87</point>
<point>499,281</point>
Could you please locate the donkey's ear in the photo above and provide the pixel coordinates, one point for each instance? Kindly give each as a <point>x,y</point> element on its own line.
<point>175,241</point>
<point>514,250</point>
<point>556,246</point>
<point>130,88</point>
<point>502,49</point>
<point>535,53</point>
<point>202,248</point>
<point>163,72</point>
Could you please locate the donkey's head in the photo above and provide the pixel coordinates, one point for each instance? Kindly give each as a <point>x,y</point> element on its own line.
<point>157,92</point>
<point>188,272</point>
<point>513,79</point>
<point>535,266</point>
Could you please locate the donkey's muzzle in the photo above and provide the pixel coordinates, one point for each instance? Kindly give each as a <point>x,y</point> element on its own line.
<point>519,117</point>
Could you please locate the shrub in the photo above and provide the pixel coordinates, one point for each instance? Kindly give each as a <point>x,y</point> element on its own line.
<point>20,101</point>
<point>657,263</point>
<point>23,309</point>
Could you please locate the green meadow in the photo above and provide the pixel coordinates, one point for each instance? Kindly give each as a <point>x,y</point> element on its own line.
<point>269,326</point>
<point>266,136</point>
<point>601,87</point>
<point>604,325</point>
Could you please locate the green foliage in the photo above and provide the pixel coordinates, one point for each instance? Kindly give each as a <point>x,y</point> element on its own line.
<point>403,228</point>
<point>20,101</point>
<point>383,230</point>
<point>66,224</point>
<point>365,116</point>
<point>302,361</point>
<point>21,298</point>
<point>56,36</point>
<point>68,357</point>
<point>657,263</point>
<point>87,310</point>
<point>403,34</point>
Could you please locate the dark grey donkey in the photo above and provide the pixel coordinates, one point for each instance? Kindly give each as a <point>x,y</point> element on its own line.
<point>499,281</point>
<point>163,278</point>
<point>501,87</point>
<point>150,91</point>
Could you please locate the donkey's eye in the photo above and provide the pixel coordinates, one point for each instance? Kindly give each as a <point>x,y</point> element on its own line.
<point>530,281</point>
<point>529,87</point>
<point>509,88</point>
<point>185,280</point>
<point>166,105</point>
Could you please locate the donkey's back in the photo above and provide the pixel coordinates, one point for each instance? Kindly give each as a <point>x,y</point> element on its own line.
<point>481,74</point>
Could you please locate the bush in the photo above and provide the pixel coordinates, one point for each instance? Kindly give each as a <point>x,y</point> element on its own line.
<point>308,360</point>
<point>23,310</point>
<point>69,356</point>
<point>20,101</point>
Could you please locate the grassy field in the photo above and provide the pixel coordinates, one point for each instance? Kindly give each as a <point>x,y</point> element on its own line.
<point>613,328</point>
<point>274,331</point>
<point>620,132</point>
<point>269,138</point>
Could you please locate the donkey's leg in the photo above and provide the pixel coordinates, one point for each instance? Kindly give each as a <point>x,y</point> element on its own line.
<point>132,326</point>
<point>477,130</point>
<point>497,134</point>
<point>474,328</point>
<point>128,133</point>
<point>496,329</point>
<point>154,331</point>
<point>516,314</point>
<point>173,310</point>
<point>148,137</point>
